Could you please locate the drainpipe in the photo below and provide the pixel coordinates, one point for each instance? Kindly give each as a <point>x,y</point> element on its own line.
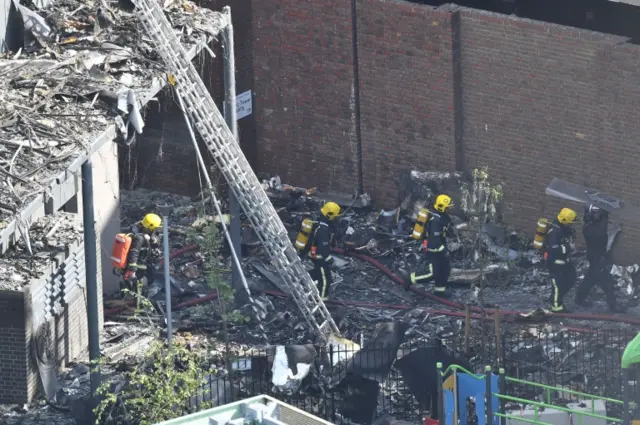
<point>230,115</point>
<point>165,210</point>
<point>91,270</point>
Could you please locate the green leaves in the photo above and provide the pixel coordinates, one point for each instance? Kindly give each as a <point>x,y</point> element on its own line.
<point>158,388</point>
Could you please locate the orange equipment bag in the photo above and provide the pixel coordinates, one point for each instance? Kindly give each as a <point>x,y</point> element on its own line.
<point>121,246</point>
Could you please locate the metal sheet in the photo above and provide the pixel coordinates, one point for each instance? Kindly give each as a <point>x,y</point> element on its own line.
<point>584,195</point>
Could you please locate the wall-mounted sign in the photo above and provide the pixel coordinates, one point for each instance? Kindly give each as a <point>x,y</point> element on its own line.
<point>244,104</point>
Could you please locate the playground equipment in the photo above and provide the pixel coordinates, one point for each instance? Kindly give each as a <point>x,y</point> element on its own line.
<point>630,357</point>
<point>489,393</point>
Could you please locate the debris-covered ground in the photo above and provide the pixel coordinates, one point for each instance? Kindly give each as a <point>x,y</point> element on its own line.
<point>492,267</point>
<point>31,257</point>
<point>85,66</point>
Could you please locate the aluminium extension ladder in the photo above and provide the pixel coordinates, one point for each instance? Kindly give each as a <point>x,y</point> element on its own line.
<point>236,169</point>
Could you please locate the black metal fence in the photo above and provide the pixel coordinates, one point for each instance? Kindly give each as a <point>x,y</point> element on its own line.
<point>400,381</point>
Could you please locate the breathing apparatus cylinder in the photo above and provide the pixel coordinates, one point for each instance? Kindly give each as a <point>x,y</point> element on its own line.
<point>421,221</point>
<point>541,233</point>
<point>302,240</point>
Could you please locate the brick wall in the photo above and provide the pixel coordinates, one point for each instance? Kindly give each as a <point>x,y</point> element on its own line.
<point>56,302</point>
<point>543,101</point>
<point>13,356</point>
<point>406,93</point>
<point>436,89</point>
<point>305,94</point>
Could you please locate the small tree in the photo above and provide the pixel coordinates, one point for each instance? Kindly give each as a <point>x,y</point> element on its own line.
<point>158,388</point>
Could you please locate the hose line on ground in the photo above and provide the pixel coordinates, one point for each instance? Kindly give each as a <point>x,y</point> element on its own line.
<point>479,312</point>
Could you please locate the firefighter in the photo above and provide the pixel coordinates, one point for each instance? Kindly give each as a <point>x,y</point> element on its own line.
<point>560,240</point>
<point>437,266</point>
<point>145,248</point>
<point>596,237</point>
<point>320,252</point>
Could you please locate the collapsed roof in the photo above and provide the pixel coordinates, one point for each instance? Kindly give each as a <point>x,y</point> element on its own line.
<point>86,68</point>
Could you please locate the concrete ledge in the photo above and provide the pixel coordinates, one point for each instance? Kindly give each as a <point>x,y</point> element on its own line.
<point>67,183</point>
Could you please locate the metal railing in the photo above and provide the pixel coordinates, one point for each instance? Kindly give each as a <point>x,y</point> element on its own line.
<point>538,406</point>
<point>539,361</point>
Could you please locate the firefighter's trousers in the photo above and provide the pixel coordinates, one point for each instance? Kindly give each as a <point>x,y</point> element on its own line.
<point>436,267</point>
<point>321,273</point>
<point>598,274</point>
<point>563,278</point>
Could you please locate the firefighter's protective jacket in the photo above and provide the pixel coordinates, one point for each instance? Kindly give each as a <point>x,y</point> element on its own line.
<point>141,252</point>
<point>321,245</point>
<point>559,239</point>
<point>438,226</point>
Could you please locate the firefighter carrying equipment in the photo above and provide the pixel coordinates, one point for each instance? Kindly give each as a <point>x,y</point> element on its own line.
<point>540,238</point>
<point>151,222</point>
<point>120,251</point>
<point>442,203</point>
<point>421,221</point>
<point>303,240</point>
<point>331,210</point>
<point>567,216</point>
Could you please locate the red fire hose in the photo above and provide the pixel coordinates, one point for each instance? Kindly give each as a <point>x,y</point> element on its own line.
<point>397,279</point>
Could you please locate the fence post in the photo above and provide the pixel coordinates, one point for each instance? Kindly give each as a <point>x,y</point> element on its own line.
<point>502,390</point>
<point>441,413</point>
<point>488,407</point>
<point>467,328</point>
<point>498,332</point>
<point>625,397</point>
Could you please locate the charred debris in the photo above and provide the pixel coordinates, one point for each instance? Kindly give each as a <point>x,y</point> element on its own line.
<point>394,329</point>
<point>84,66</point>
<point>493,267</point>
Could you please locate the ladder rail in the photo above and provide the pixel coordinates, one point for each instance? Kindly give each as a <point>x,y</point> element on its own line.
<point>235,168</point>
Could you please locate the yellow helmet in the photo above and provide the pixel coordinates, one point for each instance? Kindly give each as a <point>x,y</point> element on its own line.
<point>567,216</point>
<point>442,203</point>
<point>151,222</point>
<point>330,210</point>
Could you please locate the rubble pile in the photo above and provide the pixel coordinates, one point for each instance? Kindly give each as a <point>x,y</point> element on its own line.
<point>30,258</point>
<point>492,266</point>
<point>84,66</point>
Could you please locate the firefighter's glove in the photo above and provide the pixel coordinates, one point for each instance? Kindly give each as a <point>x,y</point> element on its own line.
<point>135,267</point>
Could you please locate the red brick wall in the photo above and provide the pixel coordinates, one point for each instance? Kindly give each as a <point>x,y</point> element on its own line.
<point>406,93</point>
<point>305,101</point>
<point>530,100</point>
<point>543,101</point>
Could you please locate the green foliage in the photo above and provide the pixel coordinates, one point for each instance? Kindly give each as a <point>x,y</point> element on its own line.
<point>483,198</point>
<point>158,388</point>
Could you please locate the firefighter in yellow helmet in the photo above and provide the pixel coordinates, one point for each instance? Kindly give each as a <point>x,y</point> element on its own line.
<point>437,266</point>
<point>560,240</point>
<point>320,252</point>
<point>144,251</point>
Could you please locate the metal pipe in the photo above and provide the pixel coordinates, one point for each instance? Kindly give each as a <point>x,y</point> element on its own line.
<point>91,270</point>
<point>165,211</point>
<point>502,390</point>
<point>230,116</point>
<point>488,395</point>
<point>442,416</point>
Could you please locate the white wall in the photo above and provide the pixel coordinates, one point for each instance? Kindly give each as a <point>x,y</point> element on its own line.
<point>106,204</point>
